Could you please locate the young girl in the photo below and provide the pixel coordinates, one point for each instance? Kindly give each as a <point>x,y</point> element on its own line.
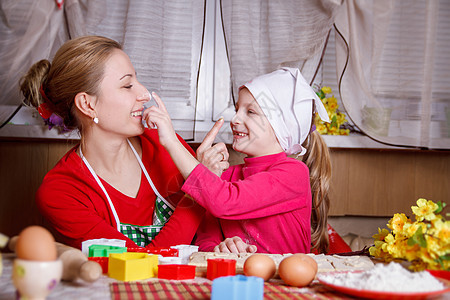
<point>267,201</point>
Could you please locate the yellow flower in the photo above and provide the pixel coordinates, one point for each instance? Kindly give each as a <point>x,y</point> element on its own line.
<point>337,118</point>
<point>326,89</point>
<point>332,106</point>
<point>397,222</point>
<point>424,210</point>
<point>389,239</point>
<point>341,118</point>
<point>427,256</point>
<point>425,242</point>
<point>419,265</point>
<point>438,240</point>
<point>443,230</point>
<point>382,233</point>
<point>344,131</point>
<point>433,247</point>
<point>409,229</point>
<point>321,128</point>
<point>331,99</point>
<point>394,247</point>
<point>377,250</point>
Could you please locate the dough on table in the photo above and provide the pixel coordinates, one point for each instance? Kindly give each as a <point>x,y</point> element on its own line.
<point>326,263</point>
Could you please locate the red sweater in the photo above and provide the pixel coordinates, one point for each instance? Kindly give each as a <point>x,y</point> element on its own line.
<point>74,204</point>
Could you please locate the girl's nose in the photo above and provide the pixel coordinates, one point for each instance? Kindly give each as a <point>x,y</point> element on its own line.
<point>236,119</point>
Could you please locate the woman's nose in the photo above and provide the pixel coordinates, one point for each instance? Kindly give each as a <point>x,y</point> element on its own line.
<point>143,95</point>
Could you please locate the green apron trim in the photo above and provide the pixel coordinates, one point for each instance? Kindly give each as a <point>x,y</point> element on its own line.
<point>143,235</point>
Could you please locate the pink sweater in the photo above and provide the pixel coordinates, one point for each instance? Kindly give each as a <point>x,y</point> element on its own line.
<point>266,201</point>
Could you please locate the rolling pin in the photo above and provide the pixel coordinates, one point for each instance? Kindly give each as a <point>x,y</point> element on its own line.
<point>75,263</point>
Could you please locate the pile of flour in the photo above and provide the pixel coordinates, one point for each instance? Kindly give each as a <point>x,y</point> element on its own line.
<point>387,278</point>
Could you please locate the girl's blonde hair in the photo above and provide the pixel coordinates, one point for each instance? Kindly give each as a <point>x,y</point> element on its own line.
<point>317,158</point>
<point>78,66</point>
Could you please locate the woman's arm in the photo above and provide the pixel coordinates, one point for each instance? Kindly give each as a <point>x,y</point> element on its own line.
<point>214,157</point>
<point>76,220</point>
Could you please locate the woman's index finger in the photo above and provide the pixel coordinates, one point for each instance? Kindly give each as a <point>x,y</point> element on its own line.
<point>159,102</point>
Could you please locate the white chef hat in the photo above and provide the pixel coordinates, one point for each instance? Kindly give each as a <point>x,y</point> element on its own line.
<point>287,101</point>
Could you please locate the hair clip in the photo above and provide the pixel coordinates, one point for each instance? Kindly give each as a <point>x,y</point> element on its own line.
<point>44,110</point>
<point>50,118</point>
<point>55,120</point>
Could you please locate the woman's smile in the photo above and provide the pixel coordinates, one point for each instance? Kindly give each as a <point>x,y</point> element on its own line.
<point>137,113</point>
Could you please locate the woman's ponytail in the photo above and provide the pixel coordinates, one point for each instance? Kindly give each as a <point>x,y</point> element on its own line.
<point>32,82</point>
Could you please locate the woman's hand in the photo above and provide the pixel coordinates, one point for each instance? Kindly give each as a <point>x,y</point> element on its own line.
<point>235,245</point>
<point>159,117</point>
<point>215,158</point>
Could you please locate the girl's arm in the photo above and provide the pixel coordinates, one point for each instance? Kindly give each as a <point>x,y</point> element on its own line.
<point>209,233</point>
<point>282,188</point>
<point>181,226</point>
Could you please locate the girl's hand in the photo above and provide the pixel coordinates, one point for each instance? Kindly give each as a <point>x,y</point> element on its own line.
<point>235,245</point>
<point>159,117</point>
<point>215,158</point>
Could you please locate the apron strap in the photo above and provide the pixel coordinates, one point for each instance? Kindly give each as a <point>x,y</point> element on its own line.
<point>111,205</point>
<point>148,177</point>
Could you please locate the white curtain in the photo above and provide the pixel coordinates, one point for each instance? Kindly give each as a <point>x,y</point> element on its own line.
<point>162,38</point>
<point>263,35</point>
<point>394,61</point>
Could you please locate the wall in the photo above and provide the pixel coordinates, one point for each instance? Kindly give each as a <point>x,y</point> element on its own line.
<point>383,182</point>
<point>365,182</point>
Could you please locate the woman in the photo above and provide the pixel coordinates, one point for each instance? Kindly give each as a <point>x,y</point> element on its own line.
<point>118,182</point>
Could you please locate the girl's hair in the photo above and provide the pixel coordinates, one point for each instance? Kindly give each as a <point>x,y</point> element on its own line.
<point>317,158</point>
<point>78,66</point>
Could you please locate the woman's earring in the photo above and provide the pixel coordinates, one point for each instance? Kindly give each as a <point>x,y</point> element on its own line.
<point>95,120</point>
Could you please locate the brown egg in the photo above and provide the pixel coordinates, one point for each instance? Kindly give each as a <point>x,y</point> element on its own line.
<point>310,260</point>
<point>36,243</point>
<point>297,270</point>
<point>260,265</point>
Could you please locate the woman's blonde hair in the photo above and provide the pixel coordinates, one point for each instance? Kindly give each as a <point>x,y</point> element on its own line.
<point>78,66</point>
<point>317,158</point>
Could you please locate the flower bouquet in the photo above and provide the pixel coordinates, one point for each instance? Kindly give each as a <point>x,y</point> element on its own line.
<point>425,243</point>
<point>337,118</point>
